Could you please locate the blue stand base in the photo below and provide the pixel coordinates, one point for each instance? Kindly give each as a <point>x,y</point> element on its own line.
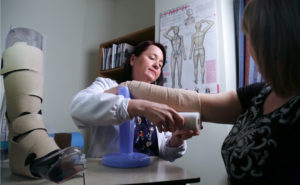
<point>126,160</point>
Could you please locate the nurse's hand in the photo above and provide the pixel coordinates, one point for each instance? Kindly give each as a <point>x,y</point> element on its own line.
<point>161,115</point>
<point>179,136</point>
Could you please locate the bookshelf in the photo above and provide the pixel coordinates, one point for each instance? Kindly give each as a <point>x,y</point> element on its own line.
<point>133,39</point>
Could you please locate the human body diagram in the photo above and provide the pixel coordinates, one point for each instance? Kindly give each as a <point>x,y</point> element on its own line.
<point>177,53</point>
<point>188,31</point>
<point>197,50</point>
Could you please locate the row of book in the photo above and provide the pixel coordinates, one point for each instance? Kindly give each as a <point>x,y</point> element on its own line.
<point>115,56</point>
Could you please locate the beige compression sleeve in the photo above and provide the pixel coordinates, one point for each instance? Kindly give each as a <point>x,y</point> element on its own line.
<point>179,99</point>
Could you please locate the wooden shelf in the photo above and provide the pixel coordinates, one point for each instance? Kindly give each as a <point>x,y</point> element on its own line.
<point>133,39</point>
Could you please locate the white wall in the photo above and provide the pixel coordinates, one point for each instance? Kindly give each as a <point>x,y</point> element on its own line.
<point>73,29</point>
<point>203,156</point>
<point>133,15</point>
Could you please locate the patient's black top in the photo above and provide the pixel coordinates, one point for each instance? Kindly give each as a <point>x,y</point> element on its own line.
<point>263,149</point>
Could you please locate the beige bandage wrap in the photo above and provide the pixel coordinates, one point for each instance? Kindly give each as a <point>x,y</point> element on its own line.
<point>23,81</point>
<point>20,104</point>
<point>179,99</point>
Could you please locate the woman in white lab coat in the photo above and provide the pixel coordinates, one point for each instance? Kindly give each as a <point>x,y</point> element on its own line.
<point>99,109</point>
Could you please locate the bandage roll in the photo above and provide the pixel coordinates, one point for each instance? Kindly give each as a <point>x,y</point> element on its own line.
<point>27,123</point>
<point>22,56</point>
<point>191,120</point>
<point>37,142</point>
<point>17,105</point>
<point>23,83</point>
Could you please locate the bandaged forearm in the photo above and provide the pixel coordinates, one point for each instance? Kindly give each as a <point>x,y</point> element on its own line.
<point>179,99</point>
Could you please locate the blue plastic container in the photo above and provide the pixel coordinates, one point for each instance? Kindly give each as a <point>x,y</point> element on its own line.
<point>126,129</point>
<point>126,158</point>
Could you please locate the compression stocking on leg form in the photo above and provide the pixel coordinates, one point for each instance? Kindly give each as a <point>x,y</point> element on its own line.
<point>179,99</point>
<point>28,138</point>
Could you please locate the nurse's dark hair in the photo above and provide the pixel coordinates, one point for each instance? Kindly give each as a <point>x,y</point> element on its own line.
<point>273,29</point>
<point>126,74</point>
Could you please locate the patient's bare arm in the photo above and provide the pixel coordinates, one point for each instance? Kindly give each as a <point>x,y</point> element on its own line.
<point>218,108</point>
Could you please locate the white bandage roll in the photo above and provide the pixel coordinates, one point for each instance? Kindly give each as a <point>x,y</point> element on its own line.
<point>191,120</point>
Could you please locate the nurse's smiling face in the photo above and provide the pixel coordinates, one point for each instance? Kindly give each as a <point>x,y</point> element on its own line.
<point>147,66</point>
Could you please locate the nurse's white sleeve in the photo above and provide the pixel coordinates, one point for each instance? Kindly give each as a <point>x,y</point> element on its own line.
<point>165,151</point>
<point>92,106</point>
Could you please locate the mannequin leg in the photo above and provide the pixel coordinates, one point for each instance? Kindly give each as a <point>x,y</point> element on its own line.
<point>29,142</point>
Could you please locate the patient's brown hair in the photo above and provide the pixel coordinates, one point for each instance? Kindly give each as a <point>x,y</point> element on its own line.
<point>273,30</point>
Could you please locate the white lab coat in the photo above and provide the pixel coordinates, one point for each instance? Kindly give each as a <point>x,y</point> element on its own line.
<point>102,113</point>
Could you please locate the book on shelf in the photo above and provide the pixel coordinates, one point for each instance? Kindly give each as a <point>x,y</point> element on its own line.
<point>114,56</point>
<point>108,59</point>
<point>104,58</point>
<point>119,51</point>
<point>127,49</point>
